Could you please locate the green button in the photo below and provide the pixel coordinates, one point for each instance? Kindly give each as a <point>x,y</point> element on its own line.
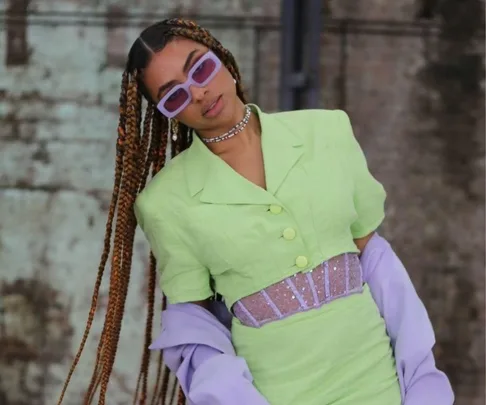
<point>275,209</point>
<point>289,233</point>
<point>301,262</point>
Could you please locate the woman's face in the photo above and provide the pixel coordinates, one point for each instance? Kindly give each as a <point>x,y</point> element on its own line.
<point>211,106</point>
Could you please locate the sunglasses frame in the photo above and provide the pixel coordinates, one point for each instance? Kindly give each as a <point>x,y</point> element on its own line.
<point>190,82</point>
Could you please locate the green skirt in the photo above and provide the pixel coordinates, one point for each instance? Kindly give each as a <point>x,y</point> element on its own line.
<point>338,354</point>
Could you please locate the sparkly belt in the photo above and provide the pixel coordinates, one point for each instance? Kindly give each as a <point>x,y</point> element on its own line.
<point>337,277</point>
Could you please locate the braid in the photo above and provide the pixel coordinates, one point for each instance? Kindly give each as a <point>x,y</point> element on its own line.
<point>147,141</point>
<point>141,151</point>
<point>181,398</point>
<point>144,368</point>
<point>96,377</point>
<point>107,245</point>
<point>123,240</point>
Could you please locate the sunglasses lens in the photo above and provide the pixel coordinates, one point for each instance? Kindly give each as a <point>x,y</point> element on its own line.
<point>204,70</point>
<point>176,100</point>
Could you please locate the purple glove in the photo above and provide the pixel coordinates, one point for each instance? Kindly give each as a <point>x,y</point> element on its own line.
<point>408,326</point>
<point>198,349</point>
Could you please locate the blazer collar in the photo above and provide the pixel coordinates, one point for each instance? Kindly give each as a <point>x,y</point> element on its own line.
<point>214,181</point>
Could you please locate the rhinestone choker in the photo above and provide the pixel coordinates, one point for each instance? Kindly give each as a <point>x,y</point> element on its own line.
<point>233,131</point>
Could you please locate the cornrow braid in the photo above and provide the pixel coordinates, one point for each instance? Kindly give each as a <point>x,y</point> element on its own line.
<point>141,152</point>
<point>204,37</point>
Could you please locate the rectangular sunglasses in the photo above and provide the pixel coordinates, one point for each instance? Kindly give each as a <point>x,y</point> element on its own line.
<point>200,75</point>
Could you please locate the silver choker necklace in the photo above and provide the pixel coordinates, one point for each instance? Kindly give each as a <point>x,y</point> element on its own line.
<point>233,131</point>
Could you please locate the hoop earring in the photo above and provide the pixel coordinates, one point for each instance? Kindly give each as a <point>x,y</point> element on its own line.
<point>173,136</point>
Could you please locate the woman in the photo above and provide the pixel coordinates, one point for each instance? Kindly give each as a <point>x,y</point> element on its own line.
<point>270,211</point>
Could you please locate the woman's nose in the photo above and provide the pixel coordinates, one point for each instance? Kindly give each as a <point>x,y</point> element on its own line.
<point>197,93</point>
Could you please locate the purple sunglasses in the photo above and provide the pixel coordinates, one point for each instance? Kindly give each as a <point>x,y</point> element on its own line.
<point>200,75</point>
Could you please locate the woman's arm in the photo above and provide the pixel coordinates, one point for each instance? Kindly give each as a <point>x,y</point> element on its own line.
<point>407,323</point>
<point>198,349</point>
<point>197,346</point>
<point>406,319</point>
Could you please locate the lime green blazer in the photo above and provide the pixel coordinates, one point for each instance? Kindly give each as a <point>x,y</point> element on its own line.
<point>211,230</point>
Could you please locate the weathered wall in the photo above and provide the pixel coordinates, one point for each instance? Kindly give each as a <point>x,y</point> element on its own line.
<point>418,110</point>
<point>418,105</point>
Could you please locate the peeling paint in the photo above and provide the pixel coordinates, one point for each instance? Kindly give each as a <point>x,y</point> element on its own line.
<point>35,333</point>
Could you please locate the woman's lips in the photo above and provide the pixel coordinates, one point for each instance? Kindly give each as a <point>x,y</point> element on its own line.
<point>214,108</point>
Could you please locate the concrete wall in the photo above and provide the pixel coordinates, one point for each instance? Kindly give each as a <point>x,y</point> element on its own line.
<point>421,129</point>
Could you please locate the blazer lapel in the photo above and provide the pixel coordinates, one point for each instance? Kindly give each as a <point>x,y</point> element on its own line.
<point>215,182</point>
<point>282,149</point>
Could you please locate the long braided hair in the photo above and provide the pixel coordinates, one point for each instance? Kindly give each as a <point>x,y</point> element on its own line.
<point>141,152</point>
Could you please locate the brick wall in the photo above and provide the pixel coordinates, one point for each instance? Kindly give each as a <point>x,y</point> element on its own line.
<point>59,87</point>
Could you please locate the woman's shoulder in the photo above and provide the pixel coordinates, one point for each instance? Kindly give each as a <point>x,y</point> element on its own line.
<point>309,116</point>
<point>329,126</point>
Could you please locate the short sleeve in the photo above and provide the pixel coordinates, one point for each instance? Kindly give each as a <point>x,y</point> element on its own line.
<point>182,277</point>
<point>369,195</point>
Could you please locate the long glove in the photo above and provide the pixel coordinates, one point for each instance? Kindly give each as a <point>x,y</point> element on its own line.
<point>198,349</point>
<point>408,326</point>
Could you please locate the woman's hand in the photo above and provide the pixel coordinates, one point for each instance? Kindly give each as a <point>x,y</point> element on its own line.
<point>362,242</point>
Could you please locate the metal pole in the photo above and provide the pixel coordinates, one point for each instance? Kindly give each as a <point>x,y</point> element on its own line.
<point>287,56</point>
<point>314,18</point>
<point>300,62</point>
<point>343,64</point>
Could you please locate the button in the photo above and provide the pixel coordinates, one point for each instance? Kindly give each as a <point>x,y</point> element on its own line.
<point>275,209</point>
<point>301,262</point>
<point>289,233</point>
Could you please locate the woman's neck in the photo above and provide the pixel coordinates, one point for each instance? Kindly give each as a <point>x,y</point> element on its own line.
<point>247,137</point>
